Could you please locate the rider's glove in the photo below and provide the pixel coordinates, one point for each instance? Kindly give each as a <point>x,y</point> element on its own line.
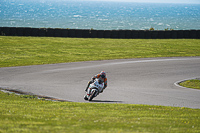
<point>93,78</point>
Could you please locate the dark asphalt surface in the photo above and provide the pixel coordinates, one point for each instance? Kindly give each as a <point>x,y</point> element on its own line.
<point>131,81</point>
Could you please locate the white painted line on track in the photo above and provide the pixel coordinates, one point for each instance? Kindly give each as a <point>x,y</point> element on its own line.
<point>177,83</point>
<point>120,63</point>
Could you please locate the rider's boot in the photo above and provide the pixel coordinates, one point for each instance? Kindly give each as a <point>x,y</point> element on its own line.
<point>87,93</point>
<point>86,88</point>
<point>86,97</point>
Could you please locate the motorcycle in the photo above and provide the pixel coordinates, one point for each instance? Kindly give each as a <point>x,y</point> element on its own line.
<point>94,89</point>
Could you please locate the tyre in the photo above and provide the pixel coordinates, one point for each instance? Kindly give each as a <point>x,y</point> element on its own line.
<point>92,96</point>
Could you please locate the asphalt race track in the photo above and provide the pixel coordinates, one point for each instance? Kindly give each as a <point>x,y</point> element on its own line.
<point>131,81</point>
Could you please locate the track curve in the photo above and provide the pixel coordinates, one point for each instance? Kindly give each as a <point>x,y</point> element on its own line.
<point>132,81</point>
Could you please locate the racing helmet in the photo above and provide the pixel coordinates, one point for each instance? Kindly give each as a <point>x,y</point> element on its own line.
<point>103,74</point>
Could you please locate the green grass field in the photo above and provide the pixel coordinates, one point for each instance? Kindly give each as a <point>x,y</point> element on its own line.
<point>194,83</point>
<point>20,114</point>
<point>20,51</point>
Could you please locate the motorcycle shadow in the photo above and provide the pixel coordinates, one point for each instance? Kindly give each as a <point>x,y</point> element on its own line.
<point>105,101</point>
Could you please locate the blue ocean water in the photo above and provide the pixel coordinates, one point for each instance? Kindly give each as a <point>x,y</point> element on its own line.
<point>98,15</point>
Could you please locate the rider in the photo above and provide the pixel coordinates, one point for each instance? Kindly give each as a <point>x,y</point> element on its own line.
<point>102,74</point>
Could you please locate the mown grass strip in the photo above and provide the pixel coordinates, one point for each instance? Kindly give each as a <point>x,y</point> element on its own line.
<point>28,114</point>
<point>20,51</point>
<point>194,83</point>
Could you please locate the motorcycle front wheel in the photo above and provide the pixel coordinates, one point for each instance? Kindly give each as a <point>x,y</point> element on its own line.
<point>92,96</point>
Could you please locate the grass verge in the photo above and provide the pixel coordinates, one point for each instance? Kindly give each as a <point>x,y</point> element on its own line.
<point>20,51</point>
<point>20,114</point>
<point>194,83</point>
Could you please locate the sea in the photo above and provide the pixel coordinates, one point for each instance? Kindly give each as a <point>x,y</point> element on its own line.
<point>99,15</point>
